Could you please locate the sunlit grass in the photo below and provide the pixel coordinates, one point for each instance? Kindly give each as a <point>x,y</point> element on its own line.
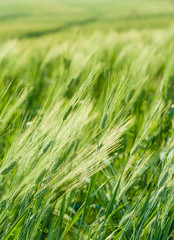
<point>87,135</point>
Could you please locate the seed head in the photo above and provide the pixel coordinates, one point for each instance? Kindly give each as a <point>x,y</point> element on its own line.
<point>103,124</point>
<point>9,168</point>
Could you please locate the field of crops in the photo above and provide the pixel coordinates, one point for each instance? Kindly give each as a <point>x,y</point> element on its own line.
<point>86,120</point>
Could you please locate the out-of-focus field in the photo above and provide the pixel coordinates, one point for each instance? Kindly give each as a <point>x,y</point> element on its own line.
<point>86,120</point>
<point>37,18</point>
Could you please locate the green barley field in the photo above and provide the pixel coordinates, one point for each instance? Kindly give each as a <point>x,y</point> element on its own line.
<point>87,120</point>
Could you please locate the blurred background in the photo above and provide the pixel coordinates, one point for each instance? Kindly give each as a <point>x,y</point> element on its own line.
<point>29,18</point>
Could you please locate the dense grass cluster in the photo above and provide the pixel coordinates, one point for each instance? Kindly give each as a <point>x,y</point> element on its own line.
<point>87,136</point>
